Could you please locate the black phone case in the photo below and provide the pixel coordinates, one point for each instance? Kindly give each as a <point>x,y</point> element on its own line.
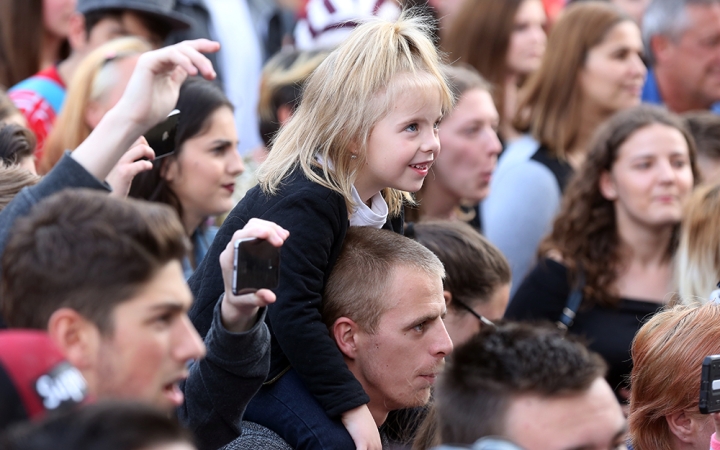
<point>256,266</point>
<point>710,385</point>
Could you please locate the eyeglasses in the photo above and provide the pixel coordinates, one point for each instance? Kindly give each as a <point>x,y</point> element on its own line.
<point>483,320</point>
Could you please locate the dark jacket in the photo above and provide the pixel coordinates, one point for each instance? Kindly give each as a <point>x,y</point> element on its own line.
<point>317,219</point>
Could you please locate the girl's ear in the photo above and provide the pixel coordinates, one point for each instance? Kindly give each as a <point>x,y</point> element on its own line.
<point>170,169</point>
<point>607,186</point>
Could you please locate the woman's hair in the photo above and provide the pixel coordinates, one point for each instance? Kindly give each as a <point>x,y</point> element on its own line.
<point>667,355</point>
<point>705,129</point>
<point>698,256</point>
<point>7,107</point>
<point>16,143</point>
<point>585,231</point>
<point>281,84</point>
<point>474,268</point>
<point>21,35</point>
<point>550,102</point>
<point>480,36</point>
<point>12,180</point>
<point>94,77</point>
<point>197,102</point>
<point>461,78</point>
<point>107,425</point>
<point>346,96</point>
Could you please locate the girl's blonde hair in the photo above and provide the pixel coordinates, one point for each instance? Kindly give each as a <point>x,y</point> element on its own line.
<point>698,257</point>
<point>346,96</point>
<point>92,79</point>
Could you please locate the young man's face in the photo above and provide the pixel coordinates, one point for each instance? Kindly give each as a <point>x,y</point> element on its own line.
<point>398,364</point>
<point>591,420</point>
<point>128,23</point>
<point>144,356</point>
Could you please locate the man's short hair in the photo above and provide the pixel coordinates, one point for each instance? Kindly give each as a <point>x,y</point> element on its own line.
<point>87,251</point>
<point>704,127</point>
<point>497,365</point>
<point>667,18</point>
<point>359,281</point>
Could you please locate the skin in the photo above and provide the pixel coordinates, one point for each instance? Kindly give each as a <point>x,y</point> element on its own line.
<point>56,16</point>
<point>688,68</point>
<point>590,420</point>
<point>203,174</point>
<point>470,145</point>
<point>122,70</point>
<point>146,354</point>
<point>127,24</point>
<point>690,430</point>
<point>172,446</point>
<point>410,129</point>
<point>461,325</point>
<point>709,168</point>
<point>398,364</point>
<point>528,39</point>
<point>614,74</point>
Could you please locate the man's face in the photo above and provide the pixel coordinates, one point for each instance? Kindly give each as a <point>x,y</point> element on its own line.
<point>398,364</point>
<point>144,357</point>
<point>128,23</point>
<point>694,59</point>
<point>591,420</point>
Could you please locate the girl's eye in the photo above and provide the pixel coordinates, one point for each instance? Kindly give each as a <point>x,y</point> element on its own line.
<point>679,163</point>
<point>412,127</point>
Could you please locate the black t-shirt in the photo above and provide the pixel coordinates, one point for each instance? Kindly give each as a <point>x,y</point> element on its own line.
<point>609,331</point>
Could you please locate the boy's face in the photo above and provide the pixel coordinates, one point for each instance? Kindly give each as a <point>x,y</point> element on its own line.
<point>129,23</point>
<point>144,356</point>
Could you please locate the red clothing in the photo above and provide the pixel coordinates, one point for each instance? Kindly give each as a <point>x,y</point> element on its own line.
<point>37,110</point>
<point>714,443</point>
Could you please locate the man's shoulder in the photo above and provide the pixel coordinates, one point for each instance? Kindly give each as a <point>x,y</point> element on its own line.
<point>256,436</point>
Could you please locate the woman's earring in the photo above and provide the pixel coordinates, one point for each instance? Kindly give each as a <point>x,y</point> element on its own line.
<point>353,156</point>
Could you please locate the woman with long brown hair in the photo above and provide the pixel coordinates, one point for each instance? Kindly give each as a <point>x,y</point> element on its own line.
<point>609,258</point>
<point>592,69</point>
<point>504,41</point>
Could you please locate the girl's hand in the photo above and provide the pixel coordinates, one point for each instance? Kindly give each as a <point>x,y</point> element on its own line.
<point>121,176</point>
<point>239,312</point>
<point>154,86</point>
<point>362,428</point>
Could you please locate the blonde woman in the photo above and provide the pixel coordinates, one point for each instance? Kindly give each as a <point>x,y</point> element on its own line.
<point>96,86</point>
<point>365,134</point>
<point>698,256</point>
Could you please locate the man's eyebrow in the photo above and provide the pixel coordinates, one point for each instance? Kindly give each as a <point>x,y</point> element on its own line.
<point>170,305</point>
<point>425,318</point>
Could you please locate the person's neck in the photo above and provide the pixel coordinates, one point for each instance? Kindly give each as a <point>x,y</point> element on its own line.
<point>436,202</point>
<point>592,118</point>
<point>66,69</point>
<point>642,245</point>
<point>49,50</point>
<point>365,190</point>
<point>675,97</point>
<point>507,130</point>
<point>192,222</point>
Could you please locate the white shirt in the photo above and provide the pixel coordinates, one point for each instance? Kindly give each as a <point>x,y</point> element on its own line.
<point>373,216</point>
<point>240,60</point>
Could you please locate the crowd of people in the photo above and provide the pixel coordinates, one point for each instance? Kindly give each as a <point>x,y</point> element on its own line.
<point>497,223</point>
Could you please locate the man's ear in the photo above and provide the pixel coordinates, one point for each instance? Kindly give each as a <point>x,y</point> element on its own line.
<point>682,425</point>
<point>77,337</point>
<point>448,298</point>
<point>77,35</point>
<point>607,186</point>
<point>345,332</point>
<point>659,46</point>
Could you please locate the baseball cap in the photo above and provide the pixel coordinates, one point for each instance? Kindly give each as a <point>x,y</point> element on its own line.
<point>162,10</point>
<point>324,24</point>
<point>35,377</point>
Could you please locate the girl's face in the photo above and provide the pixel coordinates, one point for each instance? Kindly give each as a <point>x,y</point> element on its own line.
<point>56,16</point>
<point>614,74</point>
<point>470,147</point>
<point>403,145</point>
<point>527,41</point>
<point>651,179</point>
<point>203,174</point>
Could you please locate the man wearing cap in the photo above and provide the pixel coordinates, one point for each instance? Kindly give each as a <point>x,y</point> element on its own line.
<point>95,22</point>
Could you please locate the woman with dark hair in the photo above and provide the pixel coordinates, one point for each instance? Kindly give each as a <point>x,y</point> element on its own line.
<point>609,257</point>
<point>505,42</point>
<point>105,425</point>
<point>33,36</point>
<point>198,179</point>
<point>592,69</point>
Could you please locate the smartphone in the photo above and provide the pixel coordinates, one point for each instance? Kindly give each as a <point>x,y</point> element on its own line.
<point>710,385</point>
<point>256,266</point>
<point>161,137</point>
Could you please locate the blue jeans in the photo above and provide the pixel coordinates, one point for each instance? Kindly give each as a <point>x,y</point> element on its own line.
<point>289,409</point>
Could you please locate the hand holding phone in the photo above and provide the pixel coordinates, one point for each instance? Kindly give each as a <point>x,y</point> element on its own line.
<point>256,265</point>
<point>161,137</point>
<point>710,385</point>
<point>239,309</point>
